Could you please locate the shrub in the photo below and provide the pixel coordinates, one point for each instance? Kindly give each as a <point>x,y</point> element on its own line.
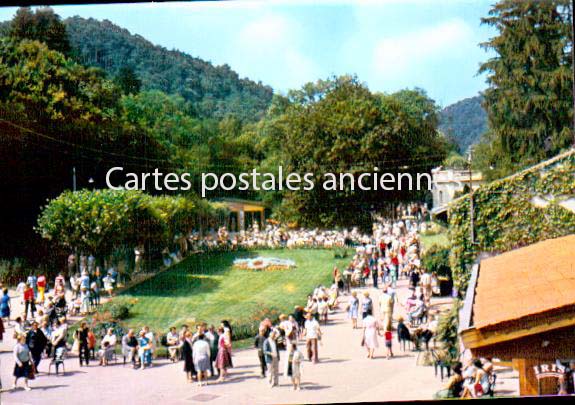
<point>447,332</point>
<point>340,253</point>
<point>248,328</point>
<point>436,259</point>
<point>116,310</point>
<point>101,328</point>
<point>12,271</point>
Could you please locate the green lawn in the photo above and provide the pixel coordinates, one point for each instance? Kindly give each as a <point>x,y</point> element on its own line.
<point>438,239</point>
<point>208,288</point>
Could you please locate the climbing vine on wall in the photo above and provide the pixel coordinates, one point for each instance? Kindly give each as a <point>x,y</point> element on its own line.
<point>506,216</point>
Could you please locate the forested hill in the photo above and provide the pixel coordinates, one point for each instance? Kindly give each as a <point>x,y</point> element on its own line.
<point>465,121</point>
<point>215,91</point>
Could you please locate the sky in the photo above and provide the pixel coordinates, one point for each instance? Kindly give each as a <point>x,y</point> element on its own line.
<point>389,44</point>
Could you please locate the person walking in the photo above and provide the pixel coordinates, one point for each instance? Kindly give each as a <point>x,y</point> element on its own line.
<point>366,305</point>
<point>272,356</point>
<point>312,333</point>
<point>259,344</point>
<point>2,330</point>
<point>388,336</point>
<point>5,306</point>
<point>83,347</point>
<point>426,286</point>
<point>370,332</point>
<point>353,309</point>
<point>29,301</point>
<point>36,342</point>
<point>374,269</point>
<point>23,367</point>
<point>295,361</point>
<point>386,303</point>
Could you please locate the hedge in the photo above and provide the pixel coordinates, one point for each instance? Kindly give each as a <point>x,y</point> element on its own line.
<point>505,216</point>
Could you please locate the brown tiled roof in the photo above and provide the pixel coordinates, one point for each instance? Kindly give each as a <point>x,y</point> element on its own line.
<point>525,281</point>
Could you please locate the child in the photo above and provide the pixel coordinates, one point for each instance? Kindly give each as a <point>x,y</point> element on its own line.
<point>105,354</point>
<point>388,336</point>
<point>295,360</point>
<point>92,344</point>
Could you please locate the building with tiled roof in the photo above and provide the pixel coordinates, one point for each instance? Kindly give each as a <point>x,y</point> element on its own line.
<point>520,307</point>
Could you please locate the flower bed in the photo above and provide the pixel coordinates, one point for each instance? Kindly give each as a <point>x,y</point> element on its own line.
<point>264,264</point>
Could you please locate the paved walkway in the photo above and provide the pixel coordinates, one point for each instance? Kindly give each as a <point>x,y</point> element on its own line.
<point>344,374</point>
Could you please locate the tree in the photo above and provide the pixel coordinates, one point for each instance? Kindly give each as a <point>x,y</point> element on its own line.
<point>41,25</point>
<point>529,99</point>
<point>92,222</point>
<point>102,222</point>
<point>40,81</point>
<point>128,81</point>
<point>337,126</point>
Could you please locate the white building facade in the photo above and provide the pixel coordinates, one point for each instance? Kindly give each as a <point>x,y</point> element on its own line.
<point>447,182</point>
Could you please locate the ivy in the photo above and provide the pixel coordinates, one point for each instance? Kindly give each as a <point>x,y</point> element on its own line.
<point>505,217</point>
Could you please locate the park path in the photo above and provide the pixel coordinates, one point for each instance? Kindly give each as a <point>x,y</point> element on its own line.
<point>344,374</point>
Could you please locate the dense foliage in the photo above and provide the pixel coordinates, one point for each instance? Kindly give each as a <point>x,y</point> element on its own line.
<point>529,101</point>
<point>56,115</point>
<point>506,218</point>
<point>214,91</point>
<point>447,333</point>
<point>337,126</point>
<point>436,260</point>
<point>464,122</point>
<point>101,221</point>
<point>42,25</point>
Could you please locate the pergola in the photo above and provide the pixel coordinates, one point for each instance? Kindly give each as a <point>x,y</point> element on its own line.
<point>244,213</point>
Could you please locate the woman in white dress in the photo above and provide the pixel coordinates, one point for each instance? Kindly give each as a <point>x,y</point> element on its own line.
<point>371,329</point>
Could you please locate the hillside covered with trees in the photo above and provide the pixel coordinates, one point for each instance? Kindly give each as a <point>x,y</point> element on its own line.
<point>464,122</point>
<point>214,91</point>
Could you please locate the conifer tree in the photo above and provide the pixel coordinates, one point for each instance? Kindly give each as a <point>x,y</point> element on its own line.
<point>529,100</point>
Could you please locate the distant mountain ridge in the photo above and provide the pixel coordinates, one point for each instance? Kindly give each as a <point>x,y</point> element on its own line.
<point>465,121</point>
<point>215,91</point>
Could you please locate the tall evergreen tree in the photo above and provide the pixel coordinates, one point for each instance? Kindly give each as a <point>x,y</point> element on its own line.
<point>529,101</point>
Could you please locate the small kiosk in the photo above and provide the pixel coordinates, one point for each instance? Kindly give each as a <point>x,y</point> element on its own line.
<point>244,213</point>
<point>520,308</point>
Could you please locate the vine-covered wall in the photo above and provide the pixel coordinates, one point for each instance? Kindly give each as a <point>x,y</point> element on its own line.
<point>506,216</point>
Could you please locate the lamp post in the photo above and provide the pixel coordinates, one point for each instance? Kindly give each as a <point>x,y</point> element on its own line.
<point>471,207</point>
<point>74,178</point>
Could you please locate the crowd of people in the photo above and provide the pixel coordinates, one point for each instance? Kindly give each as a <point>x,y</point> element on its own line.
<point>390,253</point>
<point>272,236</point>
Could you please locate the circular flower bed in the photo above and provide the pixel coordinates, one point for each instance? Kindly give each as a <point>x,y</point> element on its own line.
<point>264,264</point>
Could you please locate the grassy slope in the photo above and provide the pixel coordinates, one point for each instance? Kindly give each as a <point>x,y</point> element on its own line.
<point>208,288</point>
